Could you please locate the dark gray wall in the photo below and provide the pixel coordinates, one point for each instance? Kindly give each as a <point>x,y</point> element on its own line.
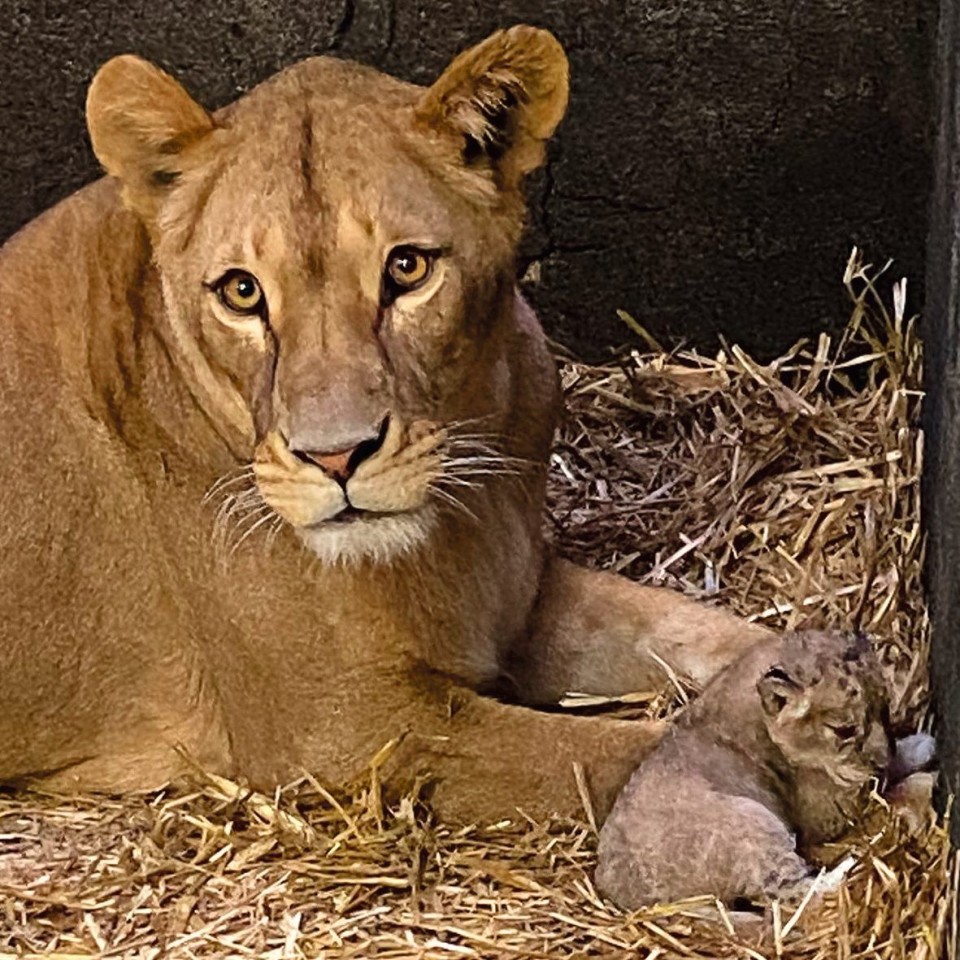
<point>718,160</point>
<point>941,488</point>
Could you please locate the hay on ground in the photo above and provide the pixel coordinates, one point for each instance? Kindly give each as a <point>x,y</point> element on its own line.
<point>786,491</point>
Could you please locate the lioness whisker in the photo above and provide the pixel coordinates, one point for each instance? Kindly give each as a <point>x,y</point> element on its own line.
<point>255,510</point>
<point>454,425</point>
<point>456,480</point>
<point>228,504</point>
<point>487,457</point>
<point>495,440</point>
<point>486,450</point>
<point>481,461</point>
<point>234,499</point>
<point>479,458</point>
<point>482,472</point>
<point>228,480</point>
<point>229,538</point>
<point>254,527</point>
<point>491,440</point>
<point>234,511</point>
<point>455,502</point>
<point>274,531</point>
<point>236,502</point>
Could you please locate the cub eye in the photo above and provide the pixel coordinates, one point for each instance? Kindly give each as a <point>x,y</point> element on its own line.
<point>241,292</point>
<point>407,268</point>
<point>844,732</point>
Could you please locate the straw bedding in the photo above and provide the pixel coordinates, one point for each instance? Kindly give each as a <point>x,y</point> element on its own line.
<point>786,491</point>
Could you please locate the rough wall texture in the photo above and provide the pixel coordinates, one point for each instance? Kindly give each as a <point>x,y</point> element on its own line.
<point>718,160</point>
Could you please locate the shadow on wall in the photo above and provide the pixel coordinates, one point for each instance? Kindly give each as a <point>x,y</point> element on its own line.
<point>718,160</point>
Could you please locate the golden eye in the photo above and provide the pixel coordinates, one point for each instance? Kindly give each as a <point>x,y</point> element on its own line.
<point>241,292</point>
<point>408,268</point>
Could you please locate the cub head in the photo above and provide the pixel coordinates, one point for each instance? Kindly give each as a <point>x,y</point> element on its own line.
<point>824,705</point>
<point>336,254</point>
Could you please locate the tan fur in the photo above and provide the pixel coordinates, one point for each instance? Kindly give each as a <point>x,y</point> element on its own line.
<point>781,746</point>
<point>177,568</point>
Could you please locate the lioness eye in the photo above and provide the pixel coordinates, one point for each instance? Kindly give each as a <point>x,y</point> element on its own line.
<point>241,292</point>
<point>407,268</point>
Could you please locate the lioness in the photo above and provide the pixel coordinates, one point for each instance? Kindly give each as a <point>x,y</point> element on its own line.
<point>275,430</point>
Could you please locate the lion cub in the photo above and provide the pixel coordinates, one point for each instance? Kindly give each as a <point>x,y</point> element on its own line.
<point>780,747</point>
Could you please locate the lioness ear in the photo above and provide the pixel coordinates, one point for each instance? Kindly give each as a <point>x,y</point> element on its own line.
<point>504,99</point>
<point>781,694</point>
<point>141,121</point>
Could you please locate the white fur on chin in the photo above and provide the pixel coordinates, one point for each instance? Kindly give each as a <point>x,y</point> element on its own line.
<point>379,539</point>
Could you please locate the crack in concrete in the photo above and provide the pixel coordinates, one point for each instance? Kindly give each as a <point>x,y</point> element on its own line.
<point>546,218</point>
<point>391,25</point>
<point>343,27</point>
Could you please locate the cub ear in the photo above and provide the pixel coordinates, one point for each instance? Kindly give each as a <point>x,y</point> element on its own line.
<point>781,694</point>
<point>141,121</point>
<point>503,99</point>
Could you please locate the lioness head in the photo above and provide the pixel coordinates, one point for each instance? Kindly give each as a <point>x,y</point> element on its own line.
<point>336,252</point>
<point>824,706</point>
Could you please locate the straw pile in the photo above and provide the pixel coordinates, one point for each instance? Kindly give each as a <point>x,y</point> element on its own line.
<point>787,491</point>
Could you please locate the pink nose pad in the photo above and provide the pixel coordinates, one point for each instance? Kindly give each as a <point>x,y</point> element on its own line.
<point>336,465</point>
<point>340,465</point>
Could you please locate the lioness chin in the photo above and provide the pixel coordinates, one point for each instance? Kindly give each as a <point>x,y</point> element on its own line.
<point>276,425</point>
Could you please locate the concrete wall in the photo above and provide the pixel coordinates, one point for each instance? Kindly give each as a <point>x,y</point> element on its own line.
<point>718,160</point>
<point>941,490</point>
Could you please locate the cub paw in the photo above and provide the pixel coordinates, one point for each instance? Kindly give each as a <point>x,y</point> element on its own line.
<point>912,799</point>
<point>913,753</point>
<point>814,885</point>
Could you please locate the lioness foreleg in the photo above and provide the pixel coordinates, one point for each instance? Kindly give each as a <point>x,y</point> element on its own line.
<point>599,633</point>
<point>486,760</point>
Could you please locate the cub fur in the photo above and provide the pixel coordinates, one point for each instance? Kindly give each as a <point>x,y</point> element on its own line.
<point>780,748</point>
<point>276,425</point>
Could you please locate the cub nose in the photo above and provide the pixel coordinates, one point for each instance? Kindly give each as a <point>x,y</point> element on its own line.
<point>340,465</point>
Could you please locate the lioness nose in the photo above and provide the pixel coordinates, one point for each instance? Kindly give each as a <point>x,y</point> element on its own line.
<point>340,465</point>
